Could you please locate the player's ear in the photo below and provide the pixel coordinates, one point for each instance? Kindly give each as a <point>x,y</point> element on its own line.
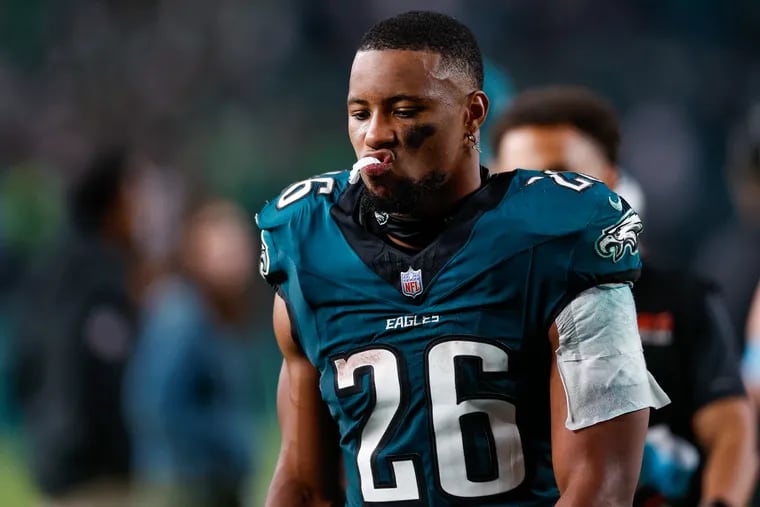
<point>477,110</point>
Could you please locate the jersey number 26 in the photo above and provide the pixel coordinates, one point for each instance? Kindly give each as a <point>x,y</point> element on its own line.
<point>446,409</point>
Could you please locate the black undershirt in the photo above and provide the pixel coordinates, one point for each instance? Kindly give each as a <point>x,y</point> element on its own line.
<point>416,232</point>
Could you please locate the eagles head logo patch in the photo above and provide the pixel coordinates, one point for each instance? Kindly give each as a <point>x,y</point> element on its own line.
<point>622,236</point>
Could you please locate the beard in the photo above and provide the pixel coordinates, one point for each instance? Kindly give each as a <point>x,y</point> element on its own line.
<point>413,198</point>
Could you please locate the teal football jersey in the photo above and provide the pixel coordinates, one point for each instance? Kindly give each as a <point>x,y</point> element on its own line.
<point>435,365</point>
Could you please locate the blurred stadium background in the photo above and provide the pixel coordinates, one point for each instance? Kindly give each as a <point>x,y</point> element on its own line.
<point>240,97</point>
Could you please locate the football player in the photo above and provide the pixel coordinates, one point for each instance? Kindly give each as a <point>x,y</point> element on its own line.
<point>458,338</point>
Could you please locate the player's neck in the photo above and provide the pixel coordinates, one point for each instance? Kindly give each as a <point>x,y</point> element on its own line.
<point>458,185</point>
<point>402,244</point>
<point>412,234</point>
<point>464,183</point>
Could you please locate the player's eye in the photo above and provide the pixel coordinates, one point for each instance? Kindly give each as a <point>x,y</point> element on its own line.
<point>360,115</point>
<point>406,112</point>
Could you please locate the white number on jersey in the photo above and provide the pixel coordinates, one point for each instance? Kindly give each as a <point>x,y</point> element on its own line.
<point>579,183</point>
<point>449,444</point>
<point>298,191</point>
<point>384,364</point>
<point>445,412</point>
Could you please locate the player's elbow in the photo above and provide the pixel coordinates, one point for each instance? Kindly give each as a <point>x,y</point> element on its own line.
<point>618,489</point>
<point>293,489</point>
<point>615,487</point>
<point>727,432</point>
<point>296,493</point>
<point>726,424</point>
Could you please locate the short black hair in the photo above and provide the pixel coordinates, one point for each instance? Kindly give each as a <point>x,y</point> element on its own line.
<point>96,190</point>
<point>429,31</point>
<point>562,105</point>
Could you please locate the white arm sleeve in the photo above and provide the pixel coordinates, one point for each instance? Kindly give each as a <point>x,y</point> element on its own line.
<point>600,358</point>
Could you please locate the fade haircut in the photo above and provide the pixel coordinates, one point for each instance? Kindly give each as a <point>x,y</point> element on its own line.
<point>430,31</point>
<point>562,105</point>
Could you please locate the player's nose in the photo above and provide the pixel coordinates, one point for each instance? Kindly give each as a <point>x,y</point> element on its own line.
<point>380,132</point>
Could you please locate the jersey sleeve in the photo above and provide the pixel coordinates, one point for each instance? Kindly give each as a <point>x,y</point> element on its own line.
<point>607,249</point>
<point>270,267</point>
<point>600,356</point>
<point>285,221</point>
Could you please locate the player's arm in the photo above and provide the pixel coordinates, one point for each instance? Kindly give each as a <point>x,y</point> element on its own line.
<point>600,394</point>
<point>600,464</point>
<point>751,359</point>
<point>722,418</point>
<point>307,471</point>
<point>725,429</point>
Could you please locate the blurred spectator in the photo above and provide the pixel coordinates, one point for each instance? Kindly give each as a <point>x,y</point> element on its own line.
<point>731,255</point>
<point>188,387</point>
<point>657,135</point>
<point>700,447</point>
<point>75,335</point>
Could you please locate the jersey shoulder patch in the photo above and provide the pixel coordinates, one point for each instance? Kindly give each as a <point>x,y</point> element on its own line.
<point>607,248</point>
<point>621,237</point>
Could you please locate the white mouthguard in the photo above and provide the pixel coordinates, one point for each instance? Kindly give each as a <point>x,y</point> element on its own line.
<point>364,162</point>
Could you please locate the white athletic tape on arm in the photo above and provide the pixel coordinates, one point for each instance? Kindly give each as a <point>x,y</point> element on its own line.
<point>600,358</point>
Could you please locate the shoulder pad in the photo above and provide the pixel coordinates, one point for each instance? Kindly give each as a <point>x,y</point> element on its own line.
<point>288,218</point>
<point>301,198</point>
<point>607,250</point>
<point>604,224</point>
<point>556,204</point>
<point>561,187</point>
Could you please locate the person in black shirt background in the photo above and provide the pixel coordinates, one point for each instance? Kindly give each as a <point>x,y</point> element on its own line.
<point>75,336</point>
<point>700,449</point>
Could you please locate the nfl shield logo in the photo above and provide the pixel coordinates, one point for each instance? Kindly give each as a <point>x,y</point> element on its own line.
<point>411,282</point>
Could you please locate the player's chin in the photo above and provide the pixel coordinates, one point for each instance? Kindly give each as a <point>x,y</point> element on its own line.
<point>379,191</point>
<point>381,185</point>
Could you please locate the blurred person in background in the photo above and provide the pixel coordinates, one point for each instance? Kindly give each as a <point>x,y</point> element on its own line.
<point>731,255</point>
<point>188,391</point>
<point>700,448</point>
<point>76,332</point>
